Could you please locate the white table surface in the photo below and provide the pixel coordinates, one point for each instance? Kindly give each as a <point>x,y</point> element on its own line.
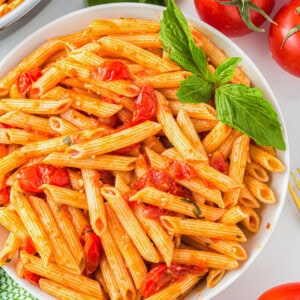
<point>279,261</point>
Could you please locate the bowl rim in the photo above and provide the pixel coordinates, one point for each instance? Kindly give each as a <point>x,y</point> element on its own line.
<point>156,11</point>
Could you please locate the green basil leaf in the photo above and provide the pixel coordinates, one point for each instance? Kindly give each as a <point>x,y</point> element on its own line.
<point>157,2</point>
<point>224,72</point>
<point>178,42</point>
<point>195,89</point>
<point>246,110</point>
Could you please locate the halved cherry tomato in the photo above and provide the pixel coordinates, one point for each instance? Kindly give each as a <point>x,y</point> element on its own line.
<point>286,291</point>
<point>4,196</point>
<point>160,276</point>
<point>26,79</point>
<point>92,249</point>
<point>145,105</point>
<point>32,177</point>
<point>111,70</point>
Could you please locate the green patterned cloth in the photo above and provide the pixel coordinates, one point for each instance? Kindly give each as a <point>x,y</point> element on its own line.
<point>10,290</point>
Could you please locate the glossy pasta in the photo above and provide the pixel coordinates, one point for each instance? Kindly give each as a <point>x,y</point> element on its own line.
<point>99,152</point>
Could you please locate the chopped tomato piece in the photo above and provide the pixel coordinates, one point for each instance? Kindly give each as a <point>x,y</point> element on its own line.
<point>182,171</point>
<point>4,196</point>
<point>32,277</point>
<point>3,150</point>
<point>92,249</point>
<point>26,79</point>
<point>111,70</point>
<point>218,161</point>
<point>32,177</point>
<point>145,105</point>
<point>160,276</point>
<point>28,246</point>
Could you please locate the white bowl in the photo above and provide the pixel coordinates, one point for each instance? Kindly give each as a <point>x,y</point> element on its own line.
<point>17,13</point>
<point>78,20</point>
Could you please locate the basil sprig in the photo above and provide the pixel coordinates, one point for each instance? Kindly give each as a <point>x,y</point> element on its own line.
<point>243,108</point>
<point>157,2</point>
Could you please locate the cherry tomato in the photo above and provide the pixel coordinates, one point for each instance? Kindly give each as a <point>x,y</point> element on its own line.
<point>286,291</point>
<point>26,79</point>
<point>4,196</point>
<point>145,105</point>
<point>32,177</point>
<point>227,18</point>
<point>284,39</point>
<point>160,276</point>
<point>92,249</point>
<point>111,70</point>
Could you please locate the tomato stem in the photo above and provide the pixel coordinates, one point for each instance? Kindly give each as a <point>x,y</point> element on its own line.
<point>244,7</point>
<point>292,31</point>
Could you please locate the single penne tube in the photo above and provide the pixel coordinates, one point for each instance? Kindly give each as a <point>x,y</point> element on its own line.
<point>9,249</point>
<point>131,255</point>
<point>216,137</point>
<point>156,232</point>
<point>229,248</point>
<point>203,228</point>
<point>115,141</point>
<point>238,160</point>
<point>265,159</point>
<point>257,171</point>
<point>168,201</point>
<point>143,40</point>
<point>200,111</point>
<point>35,59</point>
<point>92,186</point>
<point>49,79</point>
<point>117,266</point>
<point>68,231</point>
<point>203,125</point>
<point>214,276</point>
<point>66,196</point>
<point>186,125</point>
<point>121,184</point>
<point>204,259</point>
<point>164,80</point>
<point>61,251</point>
<point>19,136</point>
<point>105,275</point>
<point>60,275</point>
<point>86,57</point>
<point>14,92</point>
<point>26,121</point>
<point>79,219</point>
<point>71,68</point>
<point>252,221</point>
<point>226,146</point>
<point>59,144</point>
<point>61,126</point>
<point>174,133</point>
<point>246,198</point>
<point>137,54</point>
<point>178,288</point>
<point>62,292</point>
<point>101,27</point>
<point>260,190</point>
<point>154,143</point>
<point>86,103</point>
<point>101,162</point>
<point>130,223</point>
<point>32,223</point>
<point>36,106</point>
<point>233,215</point>
<point>141,167</point>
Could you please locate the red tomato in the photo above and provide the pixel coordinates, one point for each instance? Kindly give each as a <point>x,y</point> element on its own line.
<point>28,246</point>
<point>4,196</point>
<point>145,105</point>
<point>26,79</point>
<point>32,177</point>
<point>92,249</point>
<point>286,291</point>
<point>111,70</point>
<point>161,275</point>
<point>227,18</point>
<point>3,150</point>
<point>284,39</point>
<point>182,171</point>
<point>31,277</point>
<point>218,161</point>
